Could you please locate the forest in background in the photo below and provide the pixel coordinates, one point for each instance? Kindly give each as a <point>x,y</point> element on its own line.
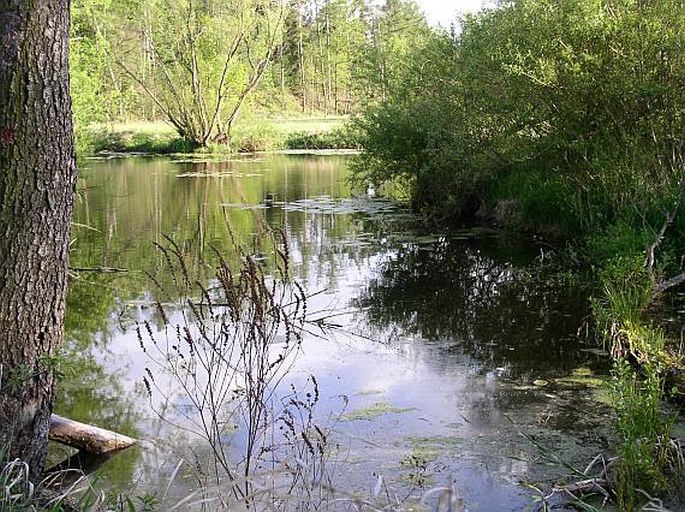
<point>202,65</point>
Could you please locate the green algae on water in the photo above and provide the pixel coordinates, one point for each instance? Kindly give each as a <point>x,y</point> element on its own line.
<point>375,411</point>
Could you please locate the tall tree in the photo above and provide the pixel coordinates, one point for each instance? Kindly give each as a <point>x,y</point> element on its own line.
<point>199,61</point>
<point>37,183</point>
<point>397,29</point>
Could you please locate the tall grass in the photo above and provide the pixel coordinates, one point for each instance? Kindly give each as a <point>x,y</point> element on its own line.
<point>63,491</point>
<point>228,354</point>
<point>648,461</point>
<point>229,348</point>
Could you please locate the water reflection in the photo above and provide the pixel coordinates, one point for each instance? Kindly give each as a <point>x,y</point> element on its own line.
<point>440,340</point>
<point>89,391</point>
<point>473,295</point>
<point>128,204</point>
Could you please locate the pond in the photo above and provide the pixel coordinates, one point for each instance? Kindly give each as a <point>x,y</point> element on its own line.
<point>448,359</point>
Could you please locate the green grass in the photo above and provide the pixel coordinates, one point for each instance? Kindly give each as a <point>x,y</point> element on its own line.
<point>647,461</point>
<point>135,137</point>
<point>335,136</point>
<point>309,125</point>
<point>250,134</point>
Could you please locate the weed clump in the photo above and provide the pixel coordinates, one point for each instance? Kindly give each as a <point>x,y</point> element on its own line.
<point>227,348</point>
<point>648,460</point>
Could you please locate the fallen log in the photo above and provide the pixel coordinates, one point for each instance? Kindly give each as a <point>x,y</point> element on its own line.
<point>100,270</point>
<point>87,438</point>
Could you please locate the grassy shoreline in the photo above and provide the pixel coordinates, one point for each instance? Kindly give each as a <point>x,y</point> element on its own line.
<point>267,134</point>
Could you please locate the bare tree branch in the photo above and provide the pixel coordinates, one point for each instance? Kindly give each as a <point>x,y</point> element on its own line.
<point>678,165</point>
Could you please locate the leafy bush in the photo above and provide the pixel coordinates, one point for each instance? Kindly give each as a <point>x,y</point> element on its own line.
<point>644,454</point>
<point>254,135</point>
<point>567,118</point>
<point>541,202</point>
<point>543,93</point>
<point>344,137</point>
<point>615,240</point>
<point>137,138</point>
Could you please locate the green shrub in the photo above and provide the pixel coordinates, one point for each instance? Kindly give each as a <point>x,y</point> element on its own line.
<point>534,201</point>
<point>626,290</point>
<point>251,135</point>
<point>154,138</point>
<point>344,137</point>
<point>618,239</point>
<point>644,454</point>
<point>639,365</point>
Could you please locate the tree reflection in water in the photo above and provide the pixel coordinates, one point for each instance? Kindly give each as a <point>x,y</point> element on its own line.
<point>475,297</point>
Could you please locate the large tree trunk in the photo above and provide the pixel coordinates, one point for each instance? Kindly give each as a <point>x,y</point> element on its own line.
<point>37,184</point>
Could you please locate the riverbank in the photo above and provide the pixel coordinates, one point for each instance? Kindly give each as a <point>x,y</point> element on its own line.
<point>632,265</point>
<point>250,135</point>
<point>631,257</point>
<point>575,135</point>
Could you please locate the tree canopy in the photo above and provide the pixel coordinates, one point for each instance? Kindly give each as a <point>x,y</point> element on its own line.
<point>197,64</point>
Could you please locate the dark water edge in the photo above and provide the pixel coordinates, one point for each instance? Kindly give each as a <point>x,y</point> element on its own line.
<point>458,356</point>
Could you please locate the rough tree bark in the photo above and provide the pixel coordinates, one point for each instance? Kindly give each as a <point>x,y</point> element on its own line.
<point>37,184</point>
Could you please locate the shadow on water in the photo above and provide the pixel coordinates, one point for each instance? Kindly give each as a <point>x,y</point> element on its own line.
<point>483,379</point>
<point>482,296</point>
<point>88,391</point>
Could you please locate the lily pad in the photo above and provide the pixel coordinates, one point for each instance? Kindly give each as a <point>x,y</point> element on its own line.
<point>328,205</point>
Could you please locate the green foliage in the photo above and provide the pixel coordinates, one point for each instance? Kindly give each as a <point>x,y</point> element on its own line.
<point>193,64</point>
<point>643,455</point>
<point>564,118</point>
<point>524,200</point>
<point>343,137</point>
<point>253,134</point>
<point>393,36</point>
<point>99,92</point>
<point>640,362</point>
<point>137,138</point>
<point>85,76</point>
<point>619,239</point>
<point>420,136</point>
<point>584,97</point>
<point>627,290</point>
<point>17,376</point>
<point>199,65</point>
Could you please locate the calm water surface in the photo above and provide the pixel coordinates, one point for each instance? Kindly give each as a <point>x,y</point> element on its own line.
<point>453,363</point>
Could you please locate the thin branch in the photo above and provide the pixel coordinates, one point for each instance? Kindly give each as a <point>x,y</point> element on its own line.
<point>670,216</point>
<point>257,70</point>
<point>235,45</point>
<point>163,107</point>
<point>670,283</point>
<point>198,96</point>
